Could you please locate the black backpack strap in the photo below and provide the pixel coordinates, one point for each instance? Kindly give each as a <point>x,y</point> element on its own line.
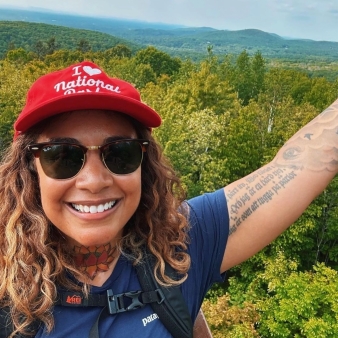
<point>167,302</point>
<point>6,324</point>
<point>172,311</point>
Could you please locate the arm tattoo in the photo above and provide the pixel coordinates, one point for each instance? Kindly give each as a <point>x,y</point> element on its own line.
<point>314,148</point>
<point>250,195</point>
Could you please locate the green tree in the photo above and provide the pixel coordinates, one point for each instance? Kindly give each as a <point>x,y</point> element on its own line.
<point>16,79</point>
<point>19,56</point>
<point>321,94</point>
<point>63,57</point>
<point>302,304</point>
<point>244,147</point>
<point>202,88</point>
<point>160,62</point>
<point>258,66</point>
<point>83,46</point>
<point>196,149</point>
<point>40,49</point>
<point>11,46</point>
<point>51,45</point>
<point>243,77</point>
<point>119,51</point>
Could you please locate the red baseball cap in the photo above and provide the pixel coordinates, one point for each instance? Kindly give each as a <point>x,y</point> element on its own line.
<point>82,86</point>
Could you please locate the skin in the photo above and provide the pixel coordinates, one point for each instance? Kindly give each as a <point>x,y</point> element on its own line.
<point>263,204</point>
<point>91,235</point>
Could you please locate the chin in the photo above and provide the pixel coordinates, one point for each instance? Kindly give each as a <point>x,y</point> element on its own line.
<point>94,240</point>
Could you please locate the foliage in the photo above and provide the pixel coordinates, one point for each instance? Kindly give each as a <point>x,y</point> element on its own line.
<point>302,304</point>
<point>222,119</point>
<point>83,46</point>
<point>15,81</point>
<point>120,51</point>
<point>234,322</point>
<point>247,75</point>
<point>179,42</point>
<point>160,62</point>
<point>45,39</point>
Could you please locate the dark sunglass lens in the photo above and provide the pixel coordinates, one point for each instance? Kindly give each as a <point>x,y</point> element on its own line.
<point>61,161</point>
<point>123,157</point>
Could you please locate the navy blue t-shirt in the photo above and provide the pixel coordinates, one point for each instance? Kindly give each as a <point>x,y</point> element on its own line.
<point>209,221</point>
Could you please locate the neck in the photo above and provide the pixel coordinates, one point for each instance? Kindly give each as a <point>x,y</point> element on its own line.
<point>94,259</point>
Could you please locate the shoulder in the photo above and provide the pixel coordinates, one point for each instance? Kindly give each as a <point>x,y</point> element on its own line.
<point>211,205</point>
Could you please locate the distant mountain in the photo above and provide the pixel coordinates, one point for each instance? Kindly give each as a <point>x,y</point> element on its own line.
<point>185,41</point>
<point>105,25</point>
<point>28,35</point>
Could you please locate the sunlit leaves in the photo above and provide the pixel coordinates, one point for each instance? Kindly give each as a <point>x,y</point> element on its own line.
<point>235,321</point>
<point>196,150</point>
<point>14,83</point>
<point>303,304</point>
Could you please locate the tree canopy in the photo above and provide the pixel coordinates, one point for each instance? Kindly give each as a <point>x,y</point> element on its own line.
<point>222,119</point>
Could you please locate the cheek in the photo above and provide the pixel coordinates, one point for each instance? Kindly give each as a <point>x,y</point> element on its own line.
<point>50,191</point>
<point>131,187</point>
<point>132,184</point>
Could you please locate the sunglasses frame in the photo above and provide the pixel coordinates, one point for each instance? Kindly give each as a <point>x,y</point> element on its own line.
<point>36,148</point>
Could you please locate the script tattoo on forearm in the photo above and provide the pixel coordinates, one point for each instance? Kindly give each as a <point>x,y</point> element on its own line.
<point>313,148</point>
<point>250,195</point>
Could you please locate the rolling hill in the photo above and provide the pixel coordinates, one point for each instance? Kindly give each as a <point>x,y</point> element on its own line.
<point>187,42</point>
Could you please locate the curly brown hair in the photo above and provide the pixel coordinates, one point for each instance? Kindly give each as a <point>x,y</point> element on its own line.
<point>33,254</point>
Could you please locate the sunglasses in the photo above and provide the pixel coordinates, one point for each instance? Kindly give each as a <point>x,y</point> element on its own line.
<point>65,160</point>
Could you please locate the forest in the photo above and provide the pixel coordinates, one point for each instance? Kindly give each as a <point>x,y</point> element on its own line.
<point>25,28</point>
<point>224,117</point>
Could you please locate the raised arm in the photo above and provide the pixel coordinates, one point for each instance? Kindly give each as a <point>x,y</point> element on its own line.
<point>265,203</point>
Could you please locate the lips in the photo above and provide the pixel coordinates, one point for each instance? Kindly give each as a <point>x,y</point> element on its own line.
<point>93,209</point>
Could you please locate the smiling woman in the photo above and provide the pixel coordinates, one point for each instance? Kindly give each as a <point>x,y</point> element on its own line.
<point>96,180</point>
<point>87,198</point>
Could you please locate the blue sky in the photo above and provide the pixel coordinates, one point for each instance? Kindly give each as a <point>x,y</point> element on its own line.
<point>308,19</point>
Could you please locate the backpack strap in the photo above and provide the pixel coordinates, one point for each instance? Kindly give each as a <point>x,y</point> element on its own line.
<point>167,302</point>
<point>172,311</point>
<point>6,324</point>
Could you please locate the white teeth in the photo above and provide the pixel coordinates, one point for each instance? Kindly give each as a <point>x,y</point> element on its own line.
<point>93,209</point>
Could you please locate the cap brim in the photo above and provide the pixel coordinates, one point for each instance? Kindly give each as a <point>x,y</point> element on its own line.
<point>82,101</point>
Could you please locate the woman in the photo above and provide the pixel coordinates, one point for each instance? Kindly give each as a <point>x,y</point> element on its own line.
<point>85,187</point>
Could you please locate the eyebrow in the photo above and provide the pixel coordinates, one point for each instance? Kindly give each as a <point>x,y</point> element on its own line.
<point>115,138</point>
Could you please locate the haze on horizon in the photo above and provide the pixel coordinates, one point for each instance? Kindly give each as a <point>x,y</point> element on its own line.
<point>303,19</point>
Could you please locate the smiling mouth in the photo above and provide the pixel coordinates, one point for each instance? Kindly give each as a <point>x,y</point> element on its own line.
<point>93,209</point>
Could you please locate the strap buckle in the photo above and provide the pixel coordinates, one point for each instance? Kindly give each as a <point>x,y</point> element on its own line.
<point>161,296</point>
<point>116,303</point>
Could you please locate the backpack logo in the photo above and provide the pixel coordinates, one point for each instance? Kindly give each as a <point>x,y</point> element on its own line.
<point>74,300</point>
<point>149,319</point>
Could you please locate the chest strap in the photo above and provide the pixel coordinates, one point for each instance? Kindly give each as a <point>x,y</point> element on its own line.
<point>117,303</point>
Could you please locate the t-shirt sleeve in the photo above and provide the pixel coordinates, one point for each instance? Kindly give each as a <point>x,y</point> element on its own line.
<point>209,229</point>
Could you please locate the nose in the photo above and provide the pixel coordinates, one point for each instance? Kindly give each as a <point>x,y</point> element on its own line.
<point>94,176</point>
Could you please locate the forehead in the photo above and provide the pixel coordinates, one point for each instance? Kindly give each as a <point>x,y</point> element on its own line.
<point>88,126</point>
